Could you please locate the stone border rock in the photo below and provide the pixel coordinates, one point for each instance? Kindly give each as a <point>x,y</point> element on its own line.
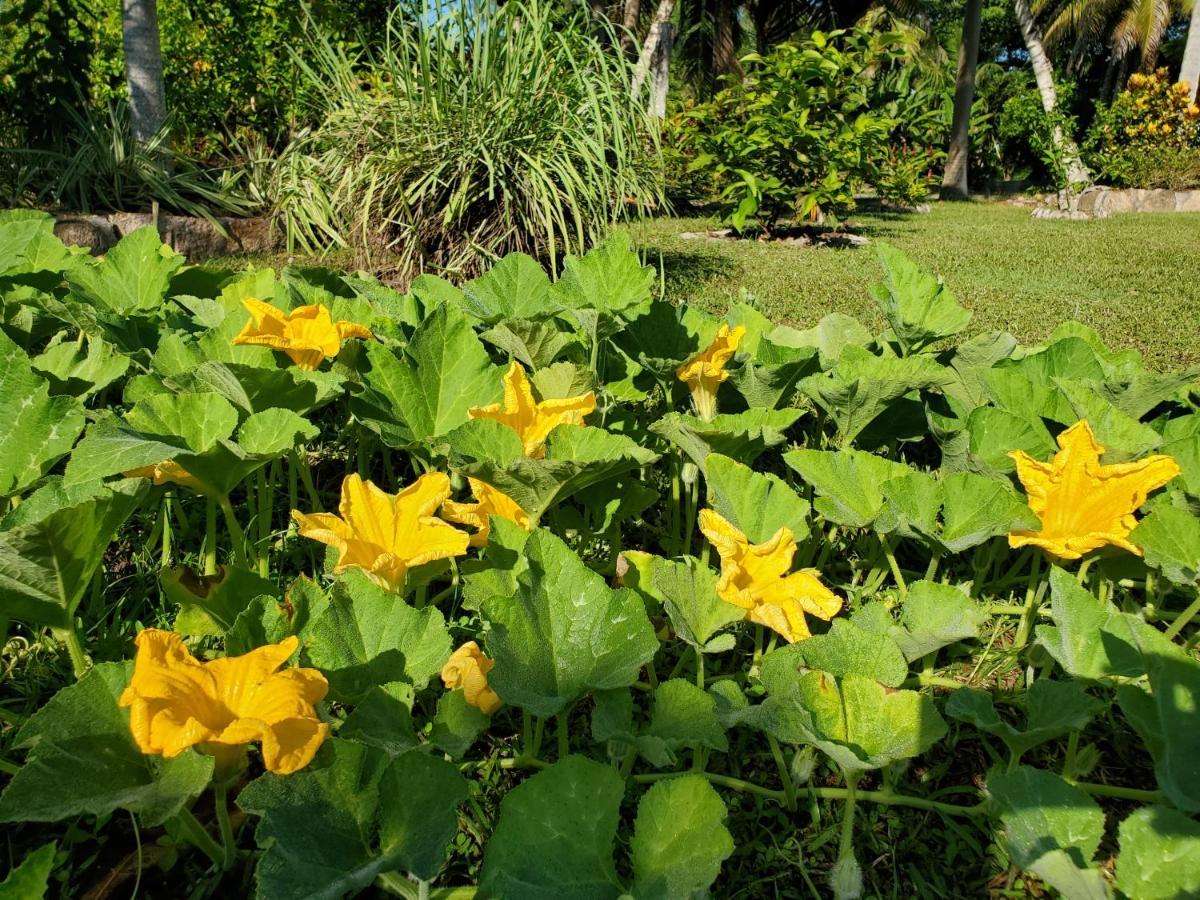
<point>193,236</point>
<point>1100,202</point>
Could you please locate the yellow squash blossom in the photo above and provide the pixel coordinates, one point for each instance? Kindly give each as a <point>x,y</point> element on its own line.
<point>758,578</point>
<point>307,334</point>
<point>1084,505</point>
<point>385,534</point>
<point>490,502</point>
<point>467,669</point>
<point>532,420</point>
<point>176,702</point>
<point>705,371</point>
<point>168,472</point>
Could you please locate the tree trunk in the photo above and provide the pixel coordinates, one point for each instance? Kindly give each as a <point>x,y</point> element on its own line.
<point>143,68</point>
<point>662,20</point>
<point>633,11</point>
<point>724,48</point>
<point>1189,71</point>
<point>1043,73</point>
<point>954,179</point>
<point>660,78</point>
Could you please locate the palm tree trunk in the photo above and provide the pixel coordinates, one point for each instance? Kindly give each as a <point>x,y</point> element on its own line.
<point>143,68</point>
<point>1043,74</point>
<point>724,49</point>
<point>954,179</point>
<point>1189,71</point>
<point>660,77</point>
<point>659,27</point>
<point>633,11</point>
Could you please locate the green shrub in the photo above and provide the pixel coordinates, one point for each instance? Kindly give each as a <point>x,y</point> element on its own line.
<point>797,136</point>
<point>1149,136</point>
<point>488,131</point>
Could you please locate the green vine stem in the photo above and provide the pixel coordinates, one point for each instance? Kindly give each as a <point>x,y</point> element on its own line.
<point>236,534</point>
<point>221,804</point>
<point>395,883</point>
<point>200,838</point>
<point>785,773</point>
<point>897,575</point>
<point>846,844</point>
<point>1029,612</point>
<point>266,500</point>
<point>210,536</point>
<point>79,660</point>
<point>1184,617</point>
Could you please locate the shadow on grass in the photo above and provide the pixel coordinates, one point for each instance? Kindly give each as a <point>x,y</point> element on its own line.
<point>685,271</point>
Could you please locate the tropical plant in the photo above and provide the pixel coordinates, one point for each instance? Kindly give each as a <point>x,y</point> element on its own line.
<point>797,135</point>
<point>537,587</point>
<point>493,129</point>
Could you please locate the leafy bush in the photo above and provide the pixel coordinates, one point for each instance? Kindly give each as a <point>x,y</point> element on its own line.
<point>1149,136</point>
<point>905,175</point>
<point>179,432</point>
<point>495,129</point>
<point>1024,121</point>
<point>796,137</point>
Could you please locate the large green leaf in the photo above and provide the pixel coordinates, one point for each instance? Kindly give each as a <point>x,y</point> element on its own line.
<point>685,716</point>
<point>862,385</point>
<point>770,385</point>
<point>849,483</point>
<point>933,616</point>
<point>38,429</point>
<point>857,721</point>
<point>756,503</point>
<point>845,649</point>
<point>46,566</point>
<point>353,815</point>
<point>994,433</point>
<point>830,336</point>
<point>1170,538</point>
<point>609,279</point>
<point>1160,855</point>
<point>576,457</point>
<point>679,840</point>
<point>79,372</point>
<point>198,420</point>
<point>132,277</point>
<point>1051,829</point>
<point>1027,387</point>
<point>517,287</point>
<point>28,243</point>
<point>428,388</point>
<point>554,840</point>
<point>31,878</point>
<point>665,336</point>
<point>1090,638</point>
<point>977,508</point>
<point>369,636</point>
<point>82,760</point>
<point>536,344</point>
<point>741,436</point>
<point>210,604</point>
<point>920,309</point>
<point>1122,436</point>
<point>1053,708</point>
<point>564,632</point>
<point>688,591</point>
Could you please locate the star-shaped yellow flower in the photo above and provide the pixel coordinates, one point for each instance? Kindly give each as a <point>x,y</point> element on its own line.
<point>1084,505</point>
<point>384,534</point>
<point>467,669</point>
<point>705,371</point>
<point>758,578</point>
<point>168,472</point>
<point>530,419</point>
<point>176,702</point>
<point>307,334</point>
<point>491,502</point>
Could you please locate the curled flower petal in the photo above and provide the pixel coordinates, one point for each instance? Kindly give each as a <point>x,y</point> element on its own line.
<point>383,534</point>
<point>530,419</point>
<point>1084,505</point>
<point>490,502</point>
<point>467,669</point>
<point>758,579</point>
<point>308,334</point>
<point>168,472</point>
<point>705,371</point>
<point>176,702</point>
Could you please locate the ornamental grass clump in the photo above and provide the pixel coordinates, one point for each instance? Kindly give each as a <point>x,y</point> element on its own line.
<point>550,587</point>
<point>471,132</point>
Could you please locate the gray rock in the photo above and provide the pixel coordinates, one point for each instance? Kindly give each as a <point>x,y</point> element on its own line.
<point>1187,201</point>
<point>1158,200</point>
<point>93,232</point>
<point>127,223</point>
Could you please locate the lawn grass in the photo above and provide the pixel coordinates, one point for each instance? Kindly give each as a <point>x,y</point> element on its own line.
<point>1134,278</point>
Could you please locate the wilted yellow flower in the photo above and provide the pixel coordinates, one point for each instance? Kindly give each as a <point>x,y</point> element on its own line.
<point>385,534</point>
<point>530,419</point>
<point>705,371</point>
<point>307,334</point>
<point>1082,504</point>
<point>467,669</point>
<point>168,472</point>
<point>1192,111</point>
<point>176,702</point>
<point>491,502</point>
<point>1136,80</point>
<point>758,578</point>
